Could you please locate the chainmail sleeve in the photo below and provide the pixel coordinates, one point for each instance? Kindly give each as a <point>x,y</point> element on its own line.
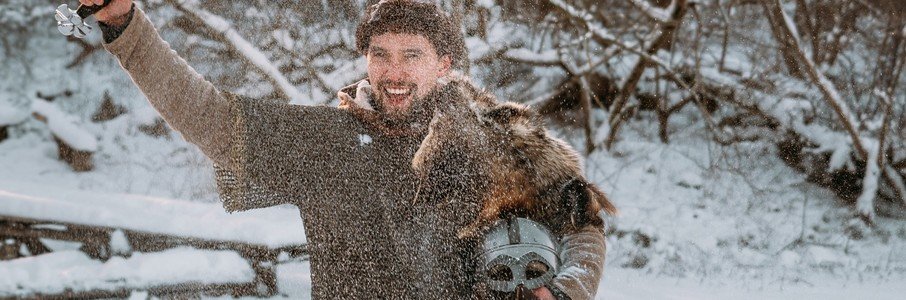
<point>279,152</point>
<point>238,195</point>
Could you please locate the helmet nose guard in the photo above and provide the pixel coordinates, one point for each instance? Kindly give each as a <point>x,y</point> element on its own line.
<point>518,251</point>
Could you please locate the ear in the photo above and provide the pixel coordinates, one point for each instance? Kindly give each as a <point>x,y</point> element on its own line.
<point>583,201</point>
<point>446,63</point>
<point>505,113</point>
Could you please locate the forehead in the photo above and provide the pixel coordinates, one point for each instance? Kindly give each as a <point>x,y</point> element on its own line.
<point>401,42</point>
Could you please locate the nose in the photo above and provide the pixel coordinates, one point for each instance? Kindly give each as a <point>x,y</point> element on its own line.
<point>396,71</point>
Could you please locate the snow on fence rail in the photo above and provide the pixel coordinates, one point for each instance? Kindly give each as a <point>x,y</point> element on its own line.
<point>118,224</point>
<point>271,227</point>
<point>73,273</point>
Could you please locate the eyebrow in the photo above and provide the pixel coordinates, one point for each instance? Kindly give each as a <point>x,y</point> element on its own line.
<point>407,51</point>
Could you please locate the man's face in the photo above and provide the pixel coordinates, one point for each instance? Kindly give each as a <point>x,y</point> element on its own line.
<point>402,69</point>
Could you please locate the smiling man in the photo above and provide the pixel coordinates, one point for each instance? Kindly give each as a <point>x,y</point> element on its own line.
<point>404,67</point>
<point>348,169</point>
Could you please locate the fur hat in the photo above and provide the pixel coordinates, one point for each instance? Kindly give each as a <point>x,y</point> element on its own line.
<point>412,17</point>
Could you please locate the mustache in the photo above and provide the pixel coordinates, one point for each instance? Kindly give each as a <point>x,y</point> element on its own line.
<point>385,83</point>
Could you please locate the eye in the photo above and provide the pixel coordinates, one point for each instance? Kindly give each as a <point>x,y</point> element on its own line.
<point>535,269</point>
<point>412,56</point>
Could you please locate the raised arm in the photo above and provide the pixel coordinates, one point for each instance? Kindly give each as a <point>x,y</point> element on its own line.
<point>189,103</point>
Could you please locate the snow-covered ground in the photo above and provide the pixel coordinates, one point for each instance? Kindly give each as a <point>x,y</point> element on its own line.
<point>58,271</point>
<point>698,220</point>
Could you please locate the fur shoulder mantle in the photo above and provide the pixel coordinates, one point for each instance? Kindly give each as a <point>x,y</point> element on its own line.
<point>455,88</point>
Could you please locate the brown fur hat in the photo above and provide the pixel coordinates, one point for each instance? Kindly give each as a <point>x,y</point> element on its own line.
<point>412,17</point>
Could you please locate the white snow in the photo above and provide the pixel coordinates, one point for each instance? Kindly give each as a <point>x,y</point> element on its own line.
<point>822,256</point>
<point>11,115</point>
<point>283,39</point>
<point>485,3</point>
<point>522,54</point>
<point>364,139</point>
<point>630,284</point>
<point>119,244</point>
<point>478,48</point>
<point>866,201</point>
<point>138,295</point>
<point>661,15</point>
<point>272,227</point>
<point>789,258</point>
<point>64,127</point>
<point>593,27</point>
<point>56,272</point>
<point>789,23</point>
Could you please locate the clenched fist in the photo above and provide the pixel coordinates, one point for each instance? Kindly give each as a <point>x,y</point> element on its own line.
<point>115,12</point>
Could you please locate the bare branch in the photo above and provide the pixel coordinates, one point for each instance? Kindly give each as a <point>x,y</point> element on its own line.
<point>587,94</point>
<point>603,36</point>
<point>885,125</point>
<point>660,15</point>
<point>831,95</point>
<point>225,32</point>
<point>87,50</point>
<point>526,56</point>
<point>865,204</point>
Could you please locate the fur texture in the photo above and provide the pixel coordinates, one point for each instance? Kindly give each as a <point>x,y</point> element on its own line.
<point>502,153</point>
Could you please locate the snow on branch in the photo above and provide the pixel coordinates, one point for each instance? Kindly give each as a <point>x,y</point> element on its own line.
<point>894,178</point>
<point>833,98</point>
<point>524,55</point>
<point>75,145</point>
<point>63,127</point>
<point>865,204</point>
<point>10,115</point>
<point>661,15</point>
<point>599,31</point>
<point>831,95</point>
<point>227,33</point>
<point>586,95</point>
<point>601,35</point>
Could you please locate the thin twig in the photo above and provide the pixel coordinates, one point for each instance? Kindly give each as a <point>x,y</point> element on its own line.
<point>831,95</point>
<point>225,32</point>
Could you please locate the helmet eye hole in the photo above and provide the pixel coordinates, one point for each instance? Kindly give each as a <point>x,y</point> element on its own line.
<point>500,272</point>
<point>535,269</point>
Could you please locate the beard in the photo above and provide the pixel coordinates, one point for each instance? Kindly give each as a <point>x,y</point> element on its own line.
<point>418,110</point>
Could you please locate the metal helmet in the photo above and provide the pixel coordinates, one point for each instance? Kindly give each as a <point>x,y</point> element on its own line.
<point>518,251</point>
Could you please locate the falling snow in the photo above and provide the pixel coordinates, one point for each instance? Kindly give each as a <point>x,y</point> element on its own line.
<point>364,139</point>
<point>700,217</point>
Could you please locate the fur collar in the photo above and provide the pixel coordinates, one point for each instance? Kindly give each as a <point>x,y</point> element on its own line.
<point>357,99</point>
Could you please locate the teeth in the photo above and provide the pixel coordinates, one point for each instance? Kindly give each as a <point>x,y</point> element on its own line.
<point>398,91</point>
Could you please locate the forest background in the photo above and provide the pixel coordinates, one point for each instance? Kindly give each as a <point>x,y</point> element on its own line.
<point>741,138</point>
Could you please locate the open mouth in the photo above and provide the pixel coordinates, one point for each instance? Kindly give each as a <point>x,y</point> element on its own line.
<point>398,96</point>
